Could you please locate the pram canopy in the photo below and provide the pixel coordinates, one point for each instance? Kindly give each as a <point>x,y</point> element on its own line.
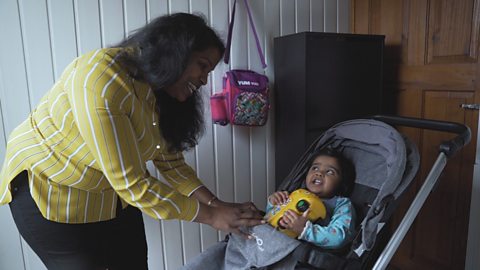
<point>385,163</point>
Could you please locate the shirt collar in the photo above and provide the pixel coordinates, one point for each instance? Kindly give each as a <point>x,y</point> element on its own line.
<point>144,92</point>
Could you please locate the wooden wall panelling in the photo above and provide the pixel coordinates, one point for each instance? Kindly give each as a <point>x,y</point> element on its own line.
<point>178,6</point>
<point>258,135</point>
<point>414,41</point>
<point>429,76</point>
<point>156,8</point>
<point>316,15</point>
<point>439,76</point>
<point>360,16</point>
<point>273,23</point>
<point>154,229</point>
<point>205,160</point>
<point>173,234</point>
<point>241,135</point>
<point>110,21</point>
<point>475,30</point>
<point>9,232</point>
<point>330,15</point>
<point>223,135</point>
<point>385,20</point>
<point>409,101</point>
<point>343,11</point>
<point>287,14</point>
<point>62,34</point>
<point>135,15</point>
<point>465,176</point>
<point>302,22</point>
<point>87,30</point>
<point>161,255</point>
<point>473,247</point>
<point>35,36</point>
<point>452,31</point>
<point>238,163</point>
<point>438,219</point>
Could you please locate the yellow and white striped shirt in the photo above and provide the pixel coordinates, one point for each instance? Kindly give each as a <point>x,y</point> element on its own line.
<point>89,139</point>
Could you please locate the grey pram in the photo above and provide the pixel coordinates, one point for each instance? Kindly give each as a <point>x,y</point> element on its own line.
<point>385,163</point>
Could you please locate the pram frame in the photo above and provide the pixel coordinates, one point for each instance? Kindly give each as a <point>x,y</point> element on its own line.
<point>356,259</point>
<point>447,150</point>
<point>397,161</point>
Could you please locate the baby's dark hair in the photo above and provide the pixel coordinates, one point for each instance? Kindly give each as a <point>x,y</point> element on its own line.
<point>347,170</point>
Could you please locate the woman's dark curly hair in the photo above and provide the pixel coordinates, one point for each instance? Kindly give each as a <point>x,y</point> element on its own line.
<point>161,51</point>
<point>347,169</point>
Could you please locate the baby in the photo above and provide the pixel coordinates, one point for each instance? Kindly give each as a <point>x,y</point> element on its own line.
<point>330,177</point>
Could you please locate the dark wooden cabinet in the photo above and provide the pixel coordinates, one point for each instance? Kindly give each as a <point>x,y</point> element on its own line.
<point>322,79</point>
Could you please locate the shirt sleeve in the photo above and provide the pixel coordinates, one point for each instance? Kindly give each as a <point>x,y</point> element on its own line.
<point>96,92</point>
<point>178,173</point>
<point>338,232</point>
<point>268,207</point>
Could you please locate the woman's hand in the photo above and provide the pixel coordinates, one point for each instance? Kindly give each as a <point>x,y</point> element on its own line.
<point>205,196</point>
<point>230,217</point>
<point>245,205</point>
<point>279,197</point>
<point>293,221</point>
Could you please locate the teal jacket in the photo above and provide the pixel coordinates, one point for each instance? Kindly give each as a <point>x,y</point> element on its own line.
<point>336,230</point>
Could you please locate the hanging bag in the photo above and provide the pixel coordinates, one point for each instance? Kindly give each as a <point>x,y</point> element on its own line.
<point>244,99</point>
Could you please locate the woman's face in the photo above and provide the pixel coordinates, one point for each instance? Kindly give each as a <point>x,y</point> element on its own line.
<point>324,176</point>
<point>195,75</point>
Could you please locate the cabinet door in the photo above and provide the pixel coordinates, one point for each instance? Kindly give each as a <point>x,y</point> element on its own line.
<point>431,68</point>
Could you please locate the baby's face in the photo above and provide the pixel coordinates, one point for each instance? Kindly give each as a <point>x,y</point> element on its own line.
<point>323,176</point>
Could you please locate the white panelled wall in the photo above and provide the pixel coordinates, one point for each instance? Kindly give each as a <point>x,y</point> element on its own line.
<point>40,37</point>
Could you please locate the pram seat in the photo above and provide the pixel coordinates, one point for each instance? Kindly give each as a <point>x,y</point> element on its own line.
<point>385,162</point>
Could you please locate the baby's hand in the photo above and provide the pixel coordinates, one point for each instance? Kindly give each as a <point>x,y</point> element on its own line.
<point>293,221</point>
<point>279,197</point>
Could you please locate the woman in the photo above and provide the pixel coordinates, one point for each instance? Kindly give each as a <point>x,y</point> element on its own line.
<point>75,171</point>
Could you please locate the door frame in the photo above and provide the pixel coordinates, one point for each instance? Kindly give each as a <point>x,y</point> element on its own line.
<point>472,258</point>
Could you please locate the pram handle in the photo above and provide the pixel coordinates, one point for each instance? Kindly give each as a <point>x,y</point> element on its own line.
<point>449,148</point>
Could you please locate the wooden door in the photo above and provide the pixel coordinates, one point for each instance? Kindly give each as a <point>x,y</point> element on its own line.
<point>431,68</point>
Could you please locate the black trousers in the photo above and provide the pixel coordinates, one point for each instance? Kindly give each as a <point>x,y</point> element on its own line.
<point>114,244</point>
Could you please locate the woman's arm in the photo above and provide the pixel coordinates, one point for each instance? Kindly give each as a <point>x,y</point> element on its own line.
<point>228,219</point>
<point>97,90</point>
<point>205,196</point>
<point>99,94</point>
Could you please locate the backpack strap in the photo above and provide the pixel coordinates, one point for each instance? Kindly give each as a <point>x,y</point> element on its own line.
<point>226,58</point>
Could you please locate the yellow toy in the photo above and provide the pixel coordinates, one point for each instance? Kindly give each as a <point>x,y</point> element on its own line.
<point>299,201</point>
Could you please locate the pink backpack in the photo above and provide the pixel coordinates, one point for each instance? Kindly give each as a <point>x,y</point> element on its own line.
<point>245,96</point>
